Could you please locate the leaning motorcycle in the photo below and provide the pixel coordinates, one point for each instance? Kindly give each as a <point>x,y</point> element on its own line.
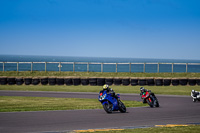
<point>195,97</point>
<point>151,100</point>
<point>110,103</point>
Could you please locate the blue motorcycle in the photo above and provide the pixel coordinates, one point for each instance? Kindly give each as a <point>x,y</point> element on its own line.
<point>110,103</point>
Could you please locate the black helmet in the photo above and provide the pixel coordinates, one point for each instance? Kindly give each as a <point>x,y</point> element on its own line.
<point>142,89</point>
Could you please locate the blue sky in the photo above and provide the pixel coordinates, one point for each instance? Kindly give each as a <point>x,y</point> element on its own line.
<point>166,29</point>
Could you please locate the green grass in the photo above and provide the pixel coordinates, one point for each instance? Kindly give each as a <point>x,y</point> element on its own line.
<point>166,90</point>
<point>96,74</point>
<point>15,103</point>
<point>178,129</point>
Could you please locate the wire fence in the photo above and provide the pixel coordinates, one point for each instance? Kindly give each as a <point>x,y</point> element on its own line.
<point>100,67</point>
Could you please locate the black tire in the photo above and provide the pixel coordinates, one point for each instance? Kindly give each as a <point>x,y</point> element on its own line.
<point>175,82</point>
<point>194,100</point>
<point>192,82</point>
<point>100,81</point>
<point>84,81</point>
<point>134,82</point>
<point>150,82</point>
<point>150,103</point>
<point>198,81</point>
<point>117,81</point>
<point>68,81</point>
<point>28,81</point>
<point>159,82</point>
<point>3,80</point>
<point>142,82</point>
<point>108,107</point>
<point>35,81</point>
<point>52,81</point>
<point>11,81</point>
<point>60,81</point>
<point>93,81</point>
<point>76,81</point>
<point>109,81</point>
<point>44,80</point>
<point>122,107</point>
<point>167,82</point>
<point>157,103</point>
<point>183,81</point>
<point>126,81</point>
<point>19,81</point>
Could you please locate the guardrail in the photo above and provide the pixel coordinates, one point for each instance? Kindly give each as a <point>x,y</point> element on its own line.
<point>101,67</point>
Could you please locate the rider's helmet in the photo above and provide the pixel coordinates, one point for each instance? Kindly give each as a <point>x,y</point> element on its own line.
<point>142,89</point>
<point>193,91</point>
<point>106,86</point>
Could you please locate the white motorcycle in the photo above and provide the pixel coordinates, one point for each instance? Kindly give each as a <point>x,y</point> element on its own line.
<point>195,95</point>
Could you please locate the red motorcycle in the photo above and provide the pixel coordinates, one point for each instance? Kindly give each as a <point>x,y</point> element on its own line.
<point>151,99</point>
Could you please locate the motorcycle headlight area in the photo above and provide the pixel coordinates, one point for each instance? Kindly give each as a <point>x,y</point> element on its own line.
<point>102,97</point>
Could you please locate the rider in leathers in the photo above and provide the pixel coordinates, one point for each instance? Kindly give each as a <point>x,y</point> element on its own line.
<point>195,95</point>
<point>110,91</point>
<point>143,92</point>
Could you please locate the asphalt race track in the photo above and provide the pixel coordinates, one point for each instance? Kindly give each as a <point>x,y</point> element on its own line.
<point>172,110</point>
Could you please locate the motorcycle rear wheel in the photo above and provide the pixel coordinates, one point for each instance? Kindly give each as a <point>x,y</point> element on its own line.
<point>157,103</point>
<point>108,107</point>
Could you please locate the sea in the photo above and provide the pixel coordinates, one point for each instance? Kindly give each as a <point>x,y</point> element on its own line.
<point>84,64</point>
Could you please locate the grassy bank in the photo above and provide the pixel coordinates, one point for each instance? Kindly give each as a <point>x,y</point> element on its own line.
<point>15,104</point>
<point>97,74</point>
<point>166,90</point>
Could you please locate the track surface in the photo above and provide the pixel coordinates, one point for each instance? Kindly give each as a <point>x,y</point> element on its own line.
<point>172,110</point>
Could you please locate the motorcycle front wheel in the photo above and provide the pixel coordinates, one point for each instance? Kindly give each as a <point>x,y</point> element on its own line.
<point>122,107</point>
<point>194,100</point>
<point>150,103</point>
<point>107,107</point>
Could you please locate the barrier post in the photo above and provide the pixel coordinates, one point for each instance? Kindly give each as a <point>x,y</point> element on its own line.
<point>17,66</point>
<point>116,68</point>
<point>172,67</point>
<point>73,66</point>
<point>101,67</point>
<point>31,66</point>
<point>186,67</point>
<point>3,67</point>
<point>59,66</point>
<point>158,67</point>
<point>130,67</point>
<point>45,66</point>
<point>144,68</point>
<point>88,67</point>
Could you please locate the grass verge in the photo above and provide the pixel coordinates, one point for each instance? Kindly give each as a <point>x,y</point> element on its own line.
<point>176,129</point>
<point>166,90</point>
<point>16,104</point>
<point>96,74</point>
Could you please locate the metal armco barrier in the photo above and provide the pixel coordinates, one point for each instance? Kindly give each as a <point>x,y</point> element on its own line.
<point>100,67</point>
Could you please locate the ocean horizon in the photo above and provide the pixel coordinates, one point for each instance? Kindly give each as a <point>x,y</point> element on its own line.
<point>45,58</point>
